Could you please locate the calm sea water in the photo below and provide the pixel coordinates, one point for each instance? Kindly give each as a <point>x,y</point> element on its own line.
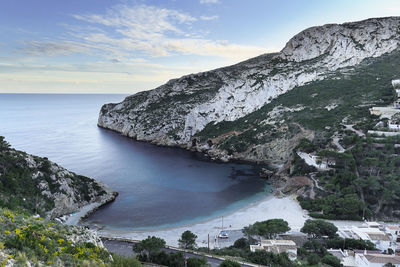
<point>157,186</point>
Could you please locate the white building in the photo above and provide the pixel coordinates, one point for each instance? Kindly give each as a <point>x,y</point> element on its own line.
<point>380,239</point>
<point>394,125</point>
<point>373,225</point>
<point>396,83</point>
<point>277,246</point>
<point>393,231</point>
<point>367,259</point>
<point>316,161</point>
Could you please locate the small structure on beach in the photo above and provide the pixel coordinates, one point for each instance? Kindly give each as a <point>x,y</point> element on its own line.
<point>277,246</point>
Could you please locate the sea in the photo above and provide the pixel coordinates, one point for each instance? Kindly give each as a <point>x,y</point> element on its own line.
<point>158,187</point>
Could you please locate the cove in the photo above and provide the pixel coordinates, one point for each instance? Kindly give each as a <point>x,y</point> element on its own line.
<point>158,186</point>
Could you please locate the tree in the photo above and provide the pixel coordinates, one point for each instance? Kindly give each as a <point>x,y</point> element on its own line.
<point>229,263</point>
<point>4,145</point>
<point>319,228</point>
<point>249,231</point>
<point>269,258</point>
<point>313,259</point>
<point>197,262</point>
<point>268,229</point>
<point>149,246</point>
<point>187,240</point>
<point>350,243</point>
<point>331,260</point>
<point>241,243</point>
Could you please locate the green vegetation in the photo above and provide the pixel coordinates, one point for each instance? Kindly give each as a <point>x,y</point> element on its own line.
<point>27,238</point>
<point>349,243</point>
<point>319,228</point>
<point>119,261</point>
<point>187,240</point>
<point>267,229</point>
<point>151,250</point>
<point>229,263</point>
<point>364,182</point>
<point>149,247</point>
<point>197,262</point>
<point>42,241</point>
<point>352,91</point>
<point>312,253</point>
<point>18,168</point>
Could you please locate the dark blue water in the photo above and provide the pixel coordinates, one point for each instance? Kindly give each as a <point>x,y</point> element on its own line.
<point>157,186</point>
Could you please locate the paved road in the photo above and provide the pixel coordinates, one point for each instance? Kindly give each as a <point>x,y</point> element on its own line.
<point>350,127</point>
<point>124,248</point>
<point>339,146</point>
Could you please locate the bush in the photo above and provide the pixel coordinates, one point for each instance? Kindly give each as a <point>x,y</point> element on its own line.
<point>331,260</point>
<point>229,263</point>
<point>119,261</point>
<point>313,259</point>
<point>197,262</point>
<point>242,243</point>
<point>350,243</point>
<point>268,258</point>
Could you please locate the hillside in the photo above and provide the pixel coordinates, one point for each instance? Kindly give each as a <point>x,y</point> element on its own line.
<point>33,241</point>
<point>234,112</point>
<point>39,186</point>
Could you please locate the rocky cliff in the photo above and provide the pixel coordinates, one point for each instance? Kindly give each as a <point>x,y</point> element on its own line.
<point>41,186</point>
<point>181,111</point>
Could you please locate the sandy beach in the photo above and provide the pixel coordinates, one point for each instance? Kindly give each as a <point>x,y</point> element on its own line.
<point>270,207</point>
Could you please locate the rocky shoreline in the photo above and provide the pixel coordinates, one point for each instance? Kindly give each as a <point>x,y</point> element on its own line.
<point>85,211</point>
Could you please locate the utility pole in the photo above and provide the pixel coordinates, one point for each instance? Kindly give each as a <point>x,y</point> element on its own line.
<point>208,243</point>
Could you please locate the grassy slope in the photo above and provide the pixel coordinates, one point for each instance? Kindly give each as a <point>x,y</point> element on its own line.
<point>27,238</point>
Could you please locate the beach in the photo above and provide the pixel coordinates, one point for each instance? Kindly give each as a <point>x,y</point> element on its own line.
<point>270,207</point>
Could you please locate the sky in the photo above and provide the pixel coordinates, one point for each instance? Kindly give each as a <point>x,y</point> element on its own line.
<point>126,46</point>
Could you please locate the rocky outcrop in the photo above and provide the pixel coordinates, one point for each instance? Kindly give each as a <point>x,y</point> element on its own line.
<point>173,113</point>
<point>41,186</point>
<point>69,192</point>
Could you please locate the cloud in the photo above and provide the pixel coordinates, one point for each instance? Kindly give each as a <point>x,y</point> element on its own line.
<point>140,21</point>
<point>209,1</point>
<point>206,47</point>
<point>39,48</point>
<point>209,17</point>
<point>124,31</point>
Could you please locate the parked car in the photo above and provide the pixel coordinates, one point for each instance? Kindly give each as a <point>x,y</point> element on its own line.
<point>223,234</point>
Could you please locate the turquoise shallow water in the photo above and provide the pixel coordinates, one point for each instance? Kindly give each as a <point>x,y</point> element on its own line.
<point>158,186</point>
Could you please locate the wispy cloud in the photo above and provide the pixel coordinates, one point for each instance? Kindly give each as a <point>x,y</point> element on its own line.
<point>38,48</point>
<point>209,1</point>
<point>125,31</point>
<point>209,17</point>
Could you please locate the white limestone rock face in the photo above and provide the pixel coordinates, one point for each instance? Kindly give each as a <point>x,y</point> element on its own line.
<point>172,113</point>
